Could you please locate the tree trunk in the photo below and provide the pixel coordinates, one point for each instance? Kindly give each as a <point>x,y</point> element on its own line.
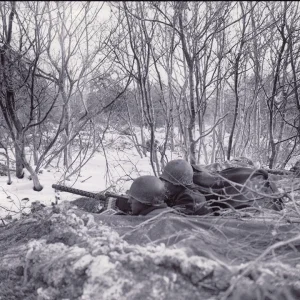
<point>191,126</point>
<point>36,183</point>
<point>19,151</point>
<point>22,161</point>
<point>236,83</point>
<point>272,99</point>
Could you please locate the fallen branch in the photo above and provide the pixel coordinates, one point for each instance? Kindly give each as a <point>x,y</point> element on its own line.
<point>255,262</point>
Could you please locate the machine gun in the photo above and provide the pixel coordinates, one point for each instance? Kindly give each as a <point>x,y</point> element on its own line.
<point>107,200</point>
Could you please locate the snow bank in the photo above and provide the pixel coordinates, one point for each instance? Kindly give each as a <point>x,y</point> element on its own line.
<point>60,254</point>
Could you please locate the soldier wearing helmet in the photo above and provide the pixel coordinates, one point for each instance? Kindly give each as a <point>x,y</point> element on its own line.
<point>147,196</point>
<point>178,179</point>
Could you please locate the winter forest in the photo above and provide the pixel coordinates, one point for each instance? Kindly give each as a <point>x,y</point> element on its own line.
<point>148,81</point>
<point>219,77</point>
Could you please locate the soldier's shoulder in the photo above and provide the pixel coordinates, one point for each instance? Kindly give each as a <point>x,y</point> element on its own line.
<point>193,193</point>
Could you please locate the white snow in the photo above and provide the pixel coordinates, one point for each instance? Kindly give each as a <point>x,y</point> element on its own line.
<point>116,174</point>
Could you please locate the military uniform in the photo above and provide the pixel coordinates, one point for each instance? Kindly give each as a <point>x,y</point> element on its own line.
<point>182,194</point>
<point>189,202</point>
<point>237,187</point>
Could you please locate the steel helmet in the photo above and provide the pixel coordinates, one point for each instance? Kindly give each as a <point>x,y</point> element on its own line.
<point>178,172</point>
<point>148,190</point>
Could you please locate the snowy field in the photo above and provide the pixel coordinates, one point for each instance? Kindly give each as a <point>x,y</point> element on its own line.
<point>113,170</point>
<point>66,253</point>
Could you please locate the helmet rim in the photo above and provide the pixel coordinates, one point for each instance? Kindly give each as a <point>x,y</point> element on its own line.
<point>148,190</point>
<point>178,172</point>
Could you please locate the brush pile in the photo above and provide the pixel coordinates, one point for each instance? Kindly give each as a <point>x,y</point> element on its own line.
<point>65,253</point>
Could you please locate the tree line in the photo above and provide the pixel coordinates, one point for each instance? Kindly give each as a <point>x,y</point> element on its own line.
<point>221,79</point>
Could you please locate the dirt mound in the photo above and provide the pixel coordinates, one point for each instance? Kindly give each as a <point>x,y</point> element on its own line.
<point>63,254</point>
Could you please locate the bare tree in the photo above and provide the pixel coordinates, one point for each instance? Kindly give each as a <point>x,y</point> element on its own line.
<point>236,69</point>
<point>16,72</point>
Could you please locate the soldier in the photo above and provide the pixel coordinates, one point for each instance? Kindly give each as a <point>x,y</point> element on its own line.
<point>220,191</point>
<point>181,195</point>
<point>147,196</point>
<point>238,186</point>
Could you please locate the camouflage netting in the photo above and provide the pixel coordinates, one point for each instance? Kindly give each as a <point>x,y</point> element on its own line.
<point>65,253</point>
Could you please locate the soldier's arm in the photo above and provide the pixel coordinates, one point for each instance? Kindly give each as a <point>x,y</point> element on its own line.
<point>192,202</point>
<point>208,180</point>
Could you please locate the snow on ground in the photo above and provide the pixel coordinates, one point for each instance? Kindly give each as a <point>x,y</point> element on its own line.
<point>113,169</point>
<point>43,259</point>
<point>116,174</point>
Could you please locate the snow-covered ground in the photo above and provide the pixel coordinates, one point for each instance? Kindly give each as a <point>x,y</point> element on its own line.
<point>114,170</point>
<point>184,258</point>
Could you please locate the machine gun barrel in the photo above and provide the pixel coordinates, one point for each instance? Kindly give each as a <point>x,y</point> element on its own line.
<point>98,196</point>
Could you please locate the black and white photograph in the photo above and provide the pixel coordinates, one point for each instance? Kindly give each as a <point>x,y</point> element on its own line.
<point>149,150</point>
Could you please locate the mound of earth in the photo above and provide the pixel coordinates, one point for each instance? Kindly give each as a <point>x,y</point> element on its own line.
<point>65,253</point>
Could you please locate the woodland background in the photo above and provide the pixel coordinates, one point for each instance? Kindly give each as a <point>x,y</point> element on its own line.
<point>94,94</point>
<point>217,79</point>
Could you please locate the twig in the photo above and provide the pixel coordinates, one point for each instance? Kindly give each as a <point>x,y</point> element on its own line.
<point>260,257</point>
<point>3,222</point>
<point>86,179</point>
